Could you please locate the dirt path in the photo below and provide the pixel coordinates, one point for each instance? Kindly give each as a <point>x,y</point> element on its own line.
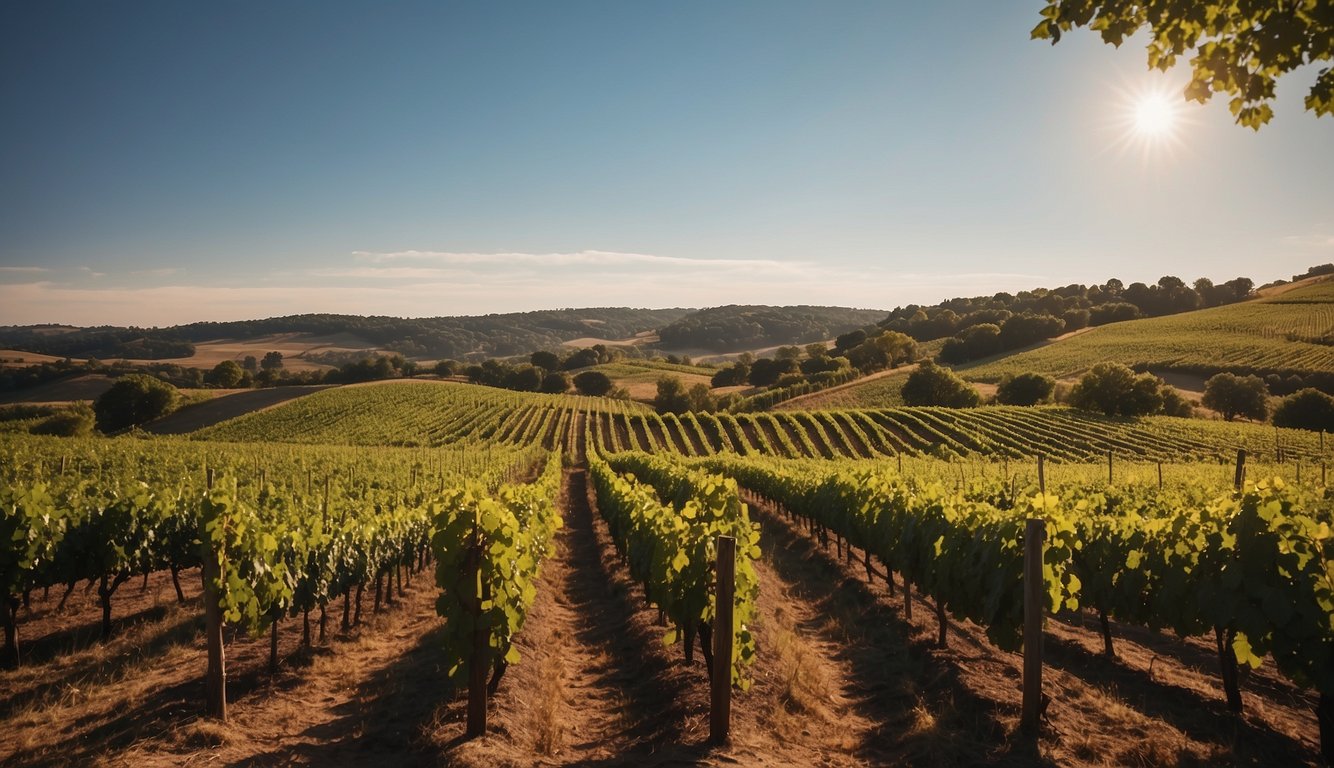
<point>594,686</point>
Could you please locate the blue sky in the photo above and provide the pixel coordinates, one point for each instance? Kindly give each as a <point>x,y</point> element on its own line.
<point>171,162</point>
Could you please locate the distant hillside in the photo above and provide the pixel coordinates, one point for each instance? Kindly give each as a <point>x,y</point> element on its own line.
<point>1291,333</point>
<point>436,337</point>
<point>738,327</point>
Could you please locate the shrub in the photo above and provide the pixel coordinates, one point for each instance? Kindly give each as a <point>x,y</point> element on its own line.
<point>76,421</point>
<point>931,384</point>
<point>135,399</point>
<point>1115,390</point>
<point>595,383</point>
<point>1307,409</point>
<point>1025,389</point>
<point>1234,396</point>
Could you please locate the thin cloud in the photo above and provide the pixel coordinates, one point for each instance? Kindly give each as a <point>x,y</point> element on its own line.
<point>24,270</point>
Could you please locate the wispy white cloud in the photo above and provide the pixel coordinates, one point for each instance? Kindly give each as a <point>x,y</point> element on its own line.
<point>24,270</point>
<point>579,258</point>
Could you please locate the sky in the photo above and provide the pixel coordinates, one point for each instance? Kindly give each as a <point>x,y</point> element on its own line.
<point>168,162</point>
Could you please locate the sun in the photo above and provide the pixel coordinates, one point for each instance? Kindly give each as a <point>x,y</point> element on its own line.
<point>1155,116</point>
<point>1150,119</point>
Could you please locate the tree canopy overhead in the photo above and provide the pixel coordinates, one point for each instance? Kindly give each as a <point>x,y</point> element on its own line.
<point>1240,47</point>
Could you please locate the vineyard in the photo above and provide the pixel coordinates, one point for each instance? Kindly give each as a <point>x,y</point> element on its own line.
<point>740,579</point>
<point>1058,433</point>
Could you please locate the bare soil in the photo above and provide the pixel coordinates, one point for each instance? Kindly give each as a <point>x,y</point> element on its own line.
<point>89,386</point>
<point>219,409</point>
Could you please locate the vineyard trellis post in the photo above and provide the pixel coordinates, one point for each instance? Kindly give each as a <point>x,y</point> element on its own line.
<point>215,685</point>
<point>720,709</point>
<point>1035,530</point>
<point>1034,595</point>
<point>1239,477</point>
<point>480,642</point>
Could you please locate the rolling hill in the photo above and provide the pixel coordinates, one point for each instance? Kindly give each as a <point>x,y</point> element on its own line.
<point>1285,334</point>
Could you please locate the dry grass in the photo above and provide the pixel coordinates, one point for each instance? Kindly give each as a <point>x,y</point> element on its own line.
<point>807,688</point>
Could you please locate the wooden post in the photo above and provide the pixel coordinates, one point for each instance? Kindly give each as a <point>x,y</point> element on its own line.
<point>1160,475</point>
<point>1109,466</point>
<point>720,708</point>
<point>1042,476</point>
<point>1240,476</point>
<point>215,684</point>
<point>1035,593</point>
<point>899,456</point>
<point>480,656</point>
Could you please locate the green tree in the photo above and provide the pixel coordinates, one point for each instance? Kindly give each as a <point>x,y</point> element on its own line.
<point>555,383</point>
<point>272,361</point>
<point>1115,390</point>
<point>932,384</point>
<point>1306,409</point>
<point>250,363</point>
<point>525,378</point>
<point>672,396</point>
<point>1234,396</point>
<point>548,361</point>
<point>1025,389</point>
<point>888,350</point>
<point>1174,404</point>
<point>593,383</point>
<point>1239,48</point>
<point>733,375</point>
<point>766,371</point>
<point>226,375</point>
<point>135,399</point>
<point>702,399</point>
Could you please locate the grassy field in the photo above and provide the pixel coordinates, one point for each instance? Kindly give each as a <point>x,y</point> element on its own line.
<point>1272,334</point>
